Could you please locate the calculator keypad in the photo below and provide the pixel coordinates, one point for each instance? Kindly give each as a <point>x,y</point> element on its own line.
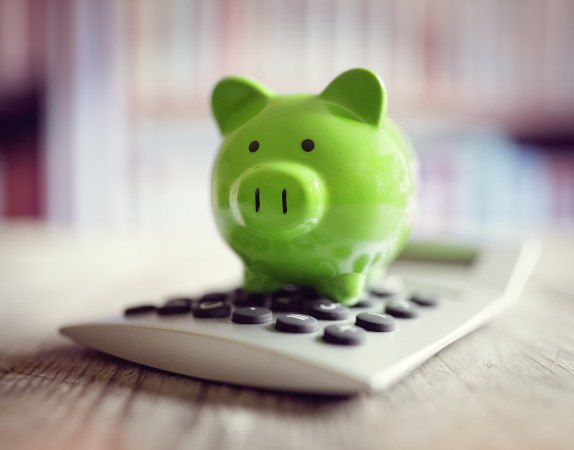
<point>301,311</point>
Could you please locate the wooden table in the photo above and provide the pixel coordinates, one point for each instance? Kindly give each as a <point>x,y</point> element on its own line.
<point>507,385</point>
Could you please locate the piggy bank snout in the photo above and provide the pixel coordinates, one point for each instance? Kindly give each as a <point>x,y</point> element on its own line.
<point>279,199</point>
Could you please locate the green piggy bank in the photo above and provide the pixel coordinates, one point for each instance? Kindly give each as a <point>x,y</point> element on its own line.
<point>312,190</point>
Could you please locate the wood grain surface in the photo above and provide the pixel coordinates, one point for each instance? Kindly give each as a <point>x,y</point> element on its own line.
<point>508,385</point>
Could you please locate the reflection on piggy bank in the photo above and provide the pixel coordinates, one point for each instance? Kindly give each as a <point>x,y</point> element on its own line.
<point>312,190</point>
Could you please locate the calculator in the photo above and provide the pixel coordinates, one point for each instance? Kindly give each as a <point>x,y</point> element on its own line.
<point>295,340</point>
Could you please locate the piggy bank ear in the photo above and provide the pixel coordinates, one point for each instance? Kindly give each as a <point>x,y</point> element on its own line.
<point>235,100</point>
<point>361,93</point>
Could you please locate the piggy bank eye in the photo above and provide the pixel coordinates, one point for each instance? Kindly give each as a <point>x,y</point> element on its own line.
<point>253,146</point>
<point>307,145</point>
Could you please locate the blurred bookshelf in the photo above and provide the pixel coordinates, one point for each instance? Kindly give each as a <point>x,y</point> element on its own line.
<point>507,62</point>
<point>485,89</point>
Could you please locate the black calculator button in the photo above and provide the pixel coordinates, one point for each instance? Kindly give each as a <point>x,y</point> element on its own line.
<point>372,321</point>
<point>209,309</point>
<point>173,309</point>
<point>139,309</point>
<point>424,300</point>
<point>365,302</point>
<point>288,290</point>
<point>296,323</point>
<point>402,309</point>
<point>344,334</point>
<point>243,298</point>
<point>215,296</point>
<point>308,293</point>
<point>328,310</point>
<point>186,301</point>
<point>252,315</point>
<point>286,303</point>
<point>384,292</point>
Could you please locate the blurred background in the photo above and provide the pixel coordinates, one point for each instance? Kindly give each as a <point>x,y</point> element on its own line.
<point>105,121</point>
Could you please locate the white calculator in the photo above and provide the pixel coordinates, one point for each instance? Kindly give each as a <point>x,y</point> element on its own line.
<point>294,340</point>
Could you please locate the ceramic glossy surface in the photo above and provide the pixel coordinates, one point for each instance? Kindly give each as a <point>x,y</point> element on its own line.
<point>314,190</point>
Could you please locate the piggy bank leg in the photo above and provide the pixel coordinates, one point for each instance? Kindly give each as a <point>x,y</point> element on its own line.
<point>346,289</point>
<point>254,281</point>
